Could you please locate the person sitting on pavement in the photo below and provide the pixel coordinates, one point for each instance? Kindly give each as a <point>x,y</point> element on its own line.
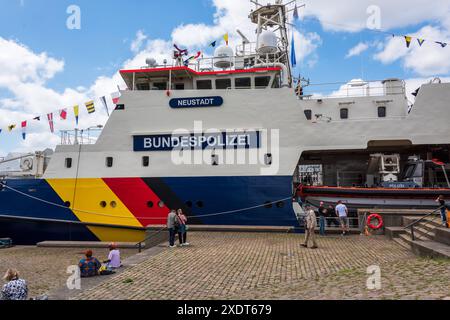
<point>90,266</point>
<point>16,288</point>
<point>114,261</point>
<point>310,227</point>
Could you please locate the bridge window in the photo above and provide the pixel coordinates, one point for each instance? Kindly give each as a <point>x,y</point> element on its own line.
<point>382,112</point>
<point>179,86</point>
<point>308,114</point>
<point>344,113</point>
<point>159,86</point>
<point>143,86</point>
<point>243,83</point>
<point>222,84</point>
<point>204,84</point>
<point>109,162</point>
<point>68,163</point>
<point>262,82</point>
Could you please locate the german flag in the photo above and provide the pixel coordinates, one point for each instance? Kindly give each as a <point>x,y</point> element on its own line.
<point>90,107</point>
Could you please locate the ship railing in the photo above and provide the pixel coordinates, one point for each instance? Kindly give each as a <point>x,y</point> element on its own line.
<point>240,61</point>
<point>77,137</point>
<point>433,215</point>
<point>353,89</point>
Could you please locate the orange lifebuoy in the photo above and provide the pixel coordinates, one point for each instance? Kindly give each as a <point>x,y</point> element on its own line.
<point>372,218</point>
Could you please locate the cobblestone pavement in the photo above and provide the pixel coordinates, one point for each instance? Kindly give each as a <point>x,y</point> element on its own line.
<point>45,268</point>
<point>274,266</point>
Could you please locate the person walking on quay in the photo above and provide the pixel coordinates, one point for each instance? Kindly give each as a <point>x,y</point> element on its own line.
<point>443,208</point>
<point>16,288</point>
<point>310,226</point>
<point>322,218</point>
<point>342,211</point>
<point>171,221</point>
<point>90,266</point>
<point>182,229</point>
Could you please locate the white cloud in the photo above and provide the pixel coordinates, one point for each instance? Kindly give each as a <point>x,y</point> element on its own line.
<point>18,64</point>
<point>357,50</point>
<point>136,45</point>
<point>351,15</point>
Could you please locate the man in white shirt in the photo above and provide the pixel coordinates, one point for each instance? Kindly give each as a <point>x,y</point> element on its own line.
<point>342,212</point>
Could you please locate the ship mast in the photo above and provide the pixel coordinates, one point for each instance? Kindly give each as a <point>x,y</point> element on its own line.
<point>272,18</point>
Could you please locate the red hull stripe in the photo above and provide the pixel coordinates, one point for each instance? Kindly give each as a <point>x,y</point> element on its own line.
<point>136,196</point>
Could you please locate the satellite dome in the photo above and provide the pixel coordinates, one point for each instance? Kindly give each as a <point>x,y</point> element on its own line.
<point>268,43</point>
<point>151,62</point>
<point>223,57</point>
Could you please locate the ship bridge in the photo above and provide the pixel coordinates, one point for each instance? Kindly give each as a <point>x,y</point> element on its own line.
<point>186,78</point>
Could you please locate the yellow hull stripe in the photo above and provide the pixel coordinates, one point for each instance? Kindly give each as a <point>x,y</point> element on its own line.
<point>88,202</point>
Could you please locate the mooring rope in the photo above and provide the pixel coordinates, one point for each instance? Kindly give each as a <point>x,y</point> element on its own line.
<point>142,218</point>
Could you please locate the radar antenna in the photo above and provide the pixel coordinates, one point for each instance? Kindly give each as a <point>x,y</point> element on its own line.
<point>272,21</point>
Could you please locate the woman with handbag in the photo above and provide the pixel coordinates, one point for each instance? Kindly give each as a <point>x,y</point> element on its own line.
<point>182,229</point>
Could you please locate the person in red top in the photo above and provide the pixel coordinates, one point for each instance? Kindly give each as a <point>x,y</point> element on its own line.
<point>182,230</point>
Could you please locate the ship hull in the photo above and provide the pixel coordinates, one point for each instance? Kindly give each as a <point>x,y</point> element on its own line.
<point>119,209</point>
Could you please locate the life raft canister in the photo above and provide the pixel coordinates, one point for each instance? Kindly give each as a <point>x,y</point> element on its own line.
<point>375,218</point>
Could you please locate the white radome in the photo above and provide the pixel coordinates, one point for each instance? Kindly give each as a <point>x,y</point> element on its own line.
<point>267,43</point>
<point>223,57</point>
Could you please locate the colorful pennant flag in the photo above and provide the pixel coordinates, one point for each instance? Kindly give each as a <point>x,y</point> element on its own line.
<point>50,122</point>
<point>293,55</point>
<point>24,130</point>
<point>408,41</point>
<point>76,111</point>
<point>420,41</point>
<point>443,44</point>
<point>90,107</point>
<point>37,118</point>
<point>103,100</point>
<point>213,44</point>
<point>11,127</point>
<point>226,38</point>
<point>63,114</point>
<point>115,97</point>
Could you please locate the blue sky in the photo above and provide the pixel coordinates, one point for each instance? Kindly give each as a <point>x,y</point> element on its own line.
<point>72,65</point>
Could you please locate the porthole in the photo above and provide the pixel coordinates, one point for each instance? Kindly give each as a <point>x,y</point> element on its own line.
<point>189,204</point>
<point>161,204</point>
<point>113,204</point>
<point>280,204</point>
<point>200,204</point>
<point>145,161</point>
<point>103,204</point>
<point>67,204</point>
<point>150,204</point>
<point>68,163</point>
<point>268,159</point>
<point>268,205</point>
<point>109,162</point>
